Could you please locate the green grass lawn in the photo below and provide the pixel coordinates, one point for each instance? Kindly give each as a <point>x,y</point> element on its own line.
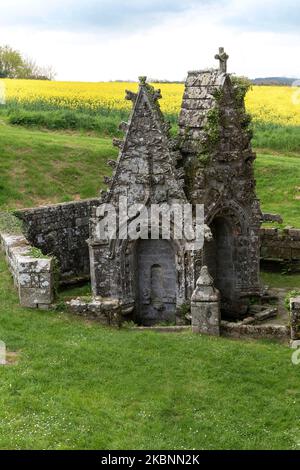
<point>42,167</point>
<point>278,185</point>
<point>79,385</point>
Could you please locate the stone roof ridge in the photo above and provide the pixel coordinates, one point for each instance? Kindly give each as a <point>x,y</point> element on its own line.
<point>208,70</point>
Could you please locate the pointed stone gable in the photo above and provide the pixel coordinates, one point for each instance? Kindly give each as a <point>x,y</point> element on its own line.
<point>146,168</point>
<point>216,142</point>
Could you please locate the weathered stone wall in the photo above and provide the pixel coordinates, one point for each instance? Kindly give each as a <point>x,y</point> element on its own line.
<point>281,245</point>
<point>33,277</point>
<point>61,230</point>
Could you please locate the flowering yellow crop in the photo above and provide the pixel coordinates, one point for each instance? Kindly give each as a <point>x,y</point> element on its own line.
<point>85,96</point>
<point>266,103</point>
<point>276,104</point>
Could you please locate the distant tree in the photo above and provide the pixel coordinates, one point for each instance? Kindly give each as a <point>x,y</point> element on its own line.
<point>11,62</point>
<point>34,72</point>
<point>14,65</point>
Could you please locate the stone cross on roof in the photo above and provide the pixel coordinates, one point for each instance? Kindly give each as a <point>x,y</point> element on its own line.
<point>223,58</point>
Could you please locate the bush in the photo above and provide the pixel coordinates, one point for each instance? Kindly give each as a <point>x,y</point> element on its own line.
<point>56,120</point>
<point>106,123</point>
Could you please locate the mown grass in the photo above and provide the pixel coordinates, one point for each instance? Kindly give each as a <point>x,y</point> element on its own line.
<point>280,280</point>
<point>42,167</point>
<point>77,385</point>
<point>278,186</point>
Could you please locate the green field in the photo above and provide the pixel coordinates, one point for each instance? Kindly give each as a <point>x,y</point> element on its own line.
<point>278,186</point>
<point>43,167</point>
<point>73,384</point>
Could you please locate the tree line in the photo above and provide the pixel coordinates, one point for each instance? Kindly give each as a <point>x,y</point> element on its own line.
<point>14,65</point>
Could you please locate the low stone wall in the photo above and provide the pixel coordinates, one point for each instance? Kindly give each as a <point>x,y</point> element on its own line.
<point>61,230</point>
<point>33,277</point>
<point>281,246</point>
<point>239,330</point>
<point>110,312</point>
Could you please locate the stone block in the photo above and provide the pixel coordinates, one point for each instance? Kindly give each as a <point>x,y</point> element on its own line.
<point>32,276</point>
<point>27,264</point>
<point>31,297</point>
<point>206,318</point>
<point>205,306</point>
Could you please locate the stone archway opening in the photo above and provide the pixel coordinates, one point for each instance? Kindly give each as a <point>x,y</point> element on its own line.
<point>219,256</point>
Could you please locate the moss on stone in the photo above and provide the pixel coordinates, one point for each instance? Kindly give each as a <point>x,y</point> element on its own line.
<point>203,159</point>
<point>35,252</point>
<point>241,85</point>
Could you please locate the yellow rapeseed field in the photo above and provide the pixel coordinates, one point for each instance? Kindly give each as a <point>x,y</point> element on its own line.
<point>266,103</point>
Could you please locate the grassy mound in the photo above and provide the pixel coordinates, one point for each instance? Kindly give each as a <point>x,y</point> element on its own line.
<point>44,167</point>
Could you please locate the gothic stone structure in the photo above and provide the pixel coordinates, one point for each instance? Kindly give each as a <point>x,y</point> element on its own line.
<point>212,164</point>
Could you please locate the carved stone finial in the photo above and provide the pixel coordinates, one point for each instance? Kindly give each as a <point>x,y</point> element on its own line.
<point>123,126</point>
<point>205,290</point>
<point>112,163</point>
<point>130,96</point>
<point>118,143</point>
<point>107,180</point>
<point>222,57</point>
<point>142,80</point>
<point>205,278</point>
<point>157,95</point>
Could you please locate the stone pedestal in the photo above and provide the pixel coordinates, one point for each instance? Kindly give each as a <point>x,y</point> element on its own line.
<point>205,306</point>
<point>295,319</point>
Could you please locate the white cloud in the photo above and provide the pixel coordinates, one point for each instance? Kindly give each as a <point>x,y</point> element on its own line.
<point>177,43</point>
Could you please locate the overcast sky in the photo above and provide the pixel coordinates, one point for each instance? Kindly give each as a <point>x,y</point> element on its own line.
<point>95,40</point>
